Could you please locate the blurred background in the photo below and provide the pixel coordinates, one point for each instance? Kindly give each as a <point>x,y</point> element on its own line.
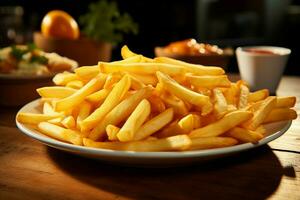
<point>226,23</point>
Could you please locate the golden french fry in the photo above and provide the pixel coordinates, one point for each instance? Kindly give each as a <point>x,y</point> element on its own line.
<point>64,78</point>
<point>258,95</point>
<point>231,94</point>
<point>219,127</point>
<point>112,131</point>
<point>76,98</point>
<point>211,142</point>
<point>48,110</point>
<point>280,114</point>
<point>243,100</point>
<point>87,72</point>
<point>220,107</point>
<point>177,104</point>
<point>189,123</point>
<point>119,113</point>
<point>60,133</point>
<point>76,84</point>
<point>209,81</point>
<point>146,79</point>
<point>185,94</point>
<point>134,121</point>
<point>132,59</point>
<point>126,53</point>
<point>170,130</point>
<point>154,124</point>
<point>260,114</point>
<point>136,84</point>
<point>35,118</point>
<point>193,68</point>
<point>84,111</point>
<point>285,102</point>
<point>55,92</point>
<point>157,105</point>
<point>141,68</point>
<point>178,142</point>
<point>113,98</point>
<point>244,135</point>
<point>111,79</point>
<point>57,121</point>
<point>69,122</point>
<point>99,96</point>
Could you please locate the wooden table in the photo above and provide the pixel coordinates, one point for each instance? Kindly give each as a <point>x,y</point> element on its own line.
<point>30,170</point>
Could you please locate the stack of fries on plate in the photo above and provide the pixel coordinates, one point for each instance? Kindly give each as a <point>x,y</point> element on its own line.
<point>160,104</point>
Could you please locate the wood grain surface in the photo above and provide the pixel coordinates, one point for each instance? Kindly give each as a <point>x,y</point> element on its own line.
<point>31,170</point>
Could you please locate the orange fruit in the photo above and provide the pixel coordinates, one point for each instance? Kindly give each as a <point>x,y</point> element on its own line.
<point>59,24</point>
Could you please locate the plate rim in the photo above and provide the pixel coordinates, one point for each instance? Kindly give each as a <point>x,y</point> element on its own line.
<point>133,154</point>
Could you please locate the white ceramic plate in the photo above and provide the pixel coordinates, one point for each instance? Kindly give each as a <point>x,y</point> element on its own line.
<point>274,131</point>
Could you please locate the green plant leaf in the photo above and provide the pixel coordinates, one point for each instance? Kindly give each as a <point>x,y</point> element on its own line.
<point>104,22</point>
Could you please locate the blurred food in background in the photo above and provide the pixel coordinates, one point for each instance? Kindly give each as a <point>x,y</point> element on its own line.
<point>102,27</point>
<point>59,24</point>
<point>29,60</point>
<point>190,50</point>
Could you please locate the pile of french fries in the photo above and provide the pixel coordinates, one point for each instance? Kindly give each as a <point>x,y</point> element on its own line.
<point>160,104</point>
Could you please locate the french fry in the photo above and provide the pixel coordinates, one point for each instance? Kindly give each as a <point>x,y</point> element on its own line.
<point>219,127</point>
<point>154,124</point>
<point>141,68</point>
<point>84,111</point>
<point>171,130</point>
<point>177,104</point>
<point>211,142</point>
<point>258,95</point>
<point>243,100</point>
<point>285,102</point>
<point>134,121</point>
<point>136,84</point>
<point>60,133</point>
<point>185,94</point>
<point>64,78</point>
<point>157,105</point>
<point>179,142</point>
<point>112,131</point>
<point>231,94</point>
<point>87,72</point>
<point>244,135</point>
<point>48,110</point>
<point>195,69</point>
<point>111,79</point>
<point>77,97</point>
<point>76,84</point>
<point>126,53</point>
<point>99,96</point>
<point>220,107</point>
<point>280,114</point>
<point>119,113</point>
<point>189,123</point>
<point>132,59</point>
<point>209,81</point>
<point>35,118</point>
<point>260,114</point>
<point>56,121</point>
<point>113,98</point>
<point>55,92</point>
<point>69,122</point>
<point>146,79</point>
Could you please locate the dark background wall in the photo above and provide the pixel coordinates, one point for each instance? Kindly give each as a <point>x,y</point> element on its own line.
<point>223,22</point>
